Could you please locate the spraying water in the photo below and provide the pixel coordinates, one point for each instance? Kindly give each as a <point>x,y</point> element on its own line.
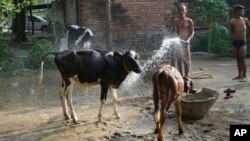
<point>169,47</point>
<point>63,44</point>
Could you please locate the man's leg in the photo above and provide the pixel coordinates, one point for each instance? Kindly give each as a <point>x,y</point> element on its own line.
<point>187,61</point>
<point>242,60</point>
<point>236,55</point>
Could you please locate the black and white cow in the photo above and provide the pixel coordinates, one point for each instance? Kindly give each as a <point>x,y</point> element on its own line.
<point>80,37</point>
<point>91,67</point>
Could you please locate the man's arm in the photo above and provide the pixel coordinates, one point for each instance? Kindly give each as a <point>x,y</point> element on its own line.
<point>247,23</point>
<point>231,27</point>
<point>175,28</point>
<point>191,29</point>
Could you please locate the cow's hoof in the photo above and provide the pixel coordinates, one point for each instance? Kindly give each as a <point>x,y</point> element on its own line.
<point>67,122</point>
<point>99,120</point>
<point>118,116</point>
<point>76,122</point>
<point>160,139</point>
<point>66,117</point>
<point>101,123</point>
<point>181,131</point>
<point>156,131</point>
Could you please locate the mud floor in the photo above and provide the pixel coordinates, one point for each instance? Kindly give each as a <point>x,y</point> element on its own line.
<point>31,113</point>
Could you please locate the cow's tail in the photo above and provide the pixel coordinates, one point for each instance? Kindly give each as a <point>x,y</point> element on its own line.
<point>42,63</point>
<point>170,82</point>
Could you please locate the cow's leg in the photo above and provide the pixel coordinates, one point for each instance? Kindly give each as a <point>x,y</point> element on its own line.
<point>163,115</point>
<point>156,106</point>
<point>100,110</point>
<point>64,102</point>
<point>178,113</point>
<point>165,105</point>
<point>69,100</point>
<point>104,90</point>
<point>114,100</point>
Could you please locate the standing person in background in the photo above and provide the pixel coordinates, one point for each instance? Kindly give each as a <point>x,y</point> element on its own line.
<point>183,27</point>
<point>238,26</point>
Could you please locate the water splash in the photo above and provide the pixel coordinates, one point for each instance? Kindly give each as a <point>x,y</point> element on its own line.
<point>163,54</point>
<point>130,81</point>
<point>63,44</point>
<point>169,46</point>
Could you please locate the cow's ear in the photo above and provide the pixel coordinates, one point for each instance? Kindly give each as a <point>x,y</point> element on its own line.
<point>117,55</point>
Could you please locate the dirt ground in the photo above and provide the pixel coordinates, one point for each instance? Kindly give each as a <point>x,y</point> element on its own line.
<point>31,113</point>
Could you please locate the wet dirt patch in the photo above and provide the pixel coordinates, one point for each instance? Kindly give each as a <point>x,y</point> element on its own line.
<point>28,112</point>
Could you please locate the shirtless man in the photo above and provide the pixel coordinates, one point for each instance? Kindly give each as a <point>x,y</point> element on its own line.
<point>238,26</point>
<point>183,27</point>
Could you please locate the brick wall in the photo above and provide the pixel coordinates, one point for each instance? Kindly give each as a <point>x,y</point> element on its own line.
<point>136,24</point>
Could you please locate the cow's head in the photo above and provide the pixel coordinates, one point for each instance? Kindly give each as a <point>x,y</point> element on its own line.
<point>80,37</point>
<point>87,39</point>
<point>130,61</point>
<point>188,85</point>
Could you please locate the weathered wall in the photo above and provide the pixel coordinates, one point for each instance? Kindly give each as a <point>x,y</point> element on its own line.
<point>71,12</point>
<point>137,24</point>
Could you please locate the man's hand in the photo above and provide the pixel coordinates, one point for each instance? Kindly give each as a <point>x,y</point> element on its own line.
<point>187,42</point>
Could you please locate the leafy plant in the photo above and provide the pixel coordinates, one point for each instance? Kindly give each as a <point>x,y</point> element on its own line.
<point>37,51</point>
<point>216,14</point>
<point>7,9</point>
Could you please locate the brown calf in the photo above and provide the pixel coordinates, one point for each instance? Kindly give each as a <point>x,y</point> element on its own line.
<point>168,87</point>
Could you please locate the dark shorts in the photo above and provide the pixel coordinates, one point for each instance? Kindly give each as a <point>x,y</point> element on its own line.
<point>239,43</point>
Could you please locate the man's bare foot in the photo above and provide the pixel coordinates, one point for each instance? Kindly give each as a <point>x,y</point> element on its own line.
<point>243,79</point>
<point>237,77</point>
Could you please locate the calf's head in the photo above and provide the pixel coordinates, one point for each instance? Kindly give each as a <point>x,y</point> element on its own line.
<point>88,38</point>
<point>188,86</point>
<point>130,61</point>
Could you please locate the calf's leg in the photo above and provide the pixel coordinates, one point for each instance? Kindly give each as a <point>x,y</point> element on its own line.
<point>156,106</point>
<point>165,105</point>
<point>114,100</point>
<point>102,102</point>
<point>163,115</point>
<point>104,90</point>
<point>178,113</point>
<point>64,102</point>
<point>69,90</point>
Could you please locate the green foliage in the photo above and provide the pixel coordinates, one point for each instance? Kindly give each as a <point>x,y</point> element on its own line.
<point>199,43</point>
<point>7,10</point>
<point>221,40</point>
<point>9,63</point>
<point>16,61</point>
<point>59,29</point>
<point>40,47</point>
<point>212,11</point>
<point>216,14</point>
<point>219,46</point>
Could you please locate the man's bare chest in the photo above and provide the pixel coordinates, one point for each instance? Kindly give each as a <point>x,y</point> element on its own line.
<point>183,24</point>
